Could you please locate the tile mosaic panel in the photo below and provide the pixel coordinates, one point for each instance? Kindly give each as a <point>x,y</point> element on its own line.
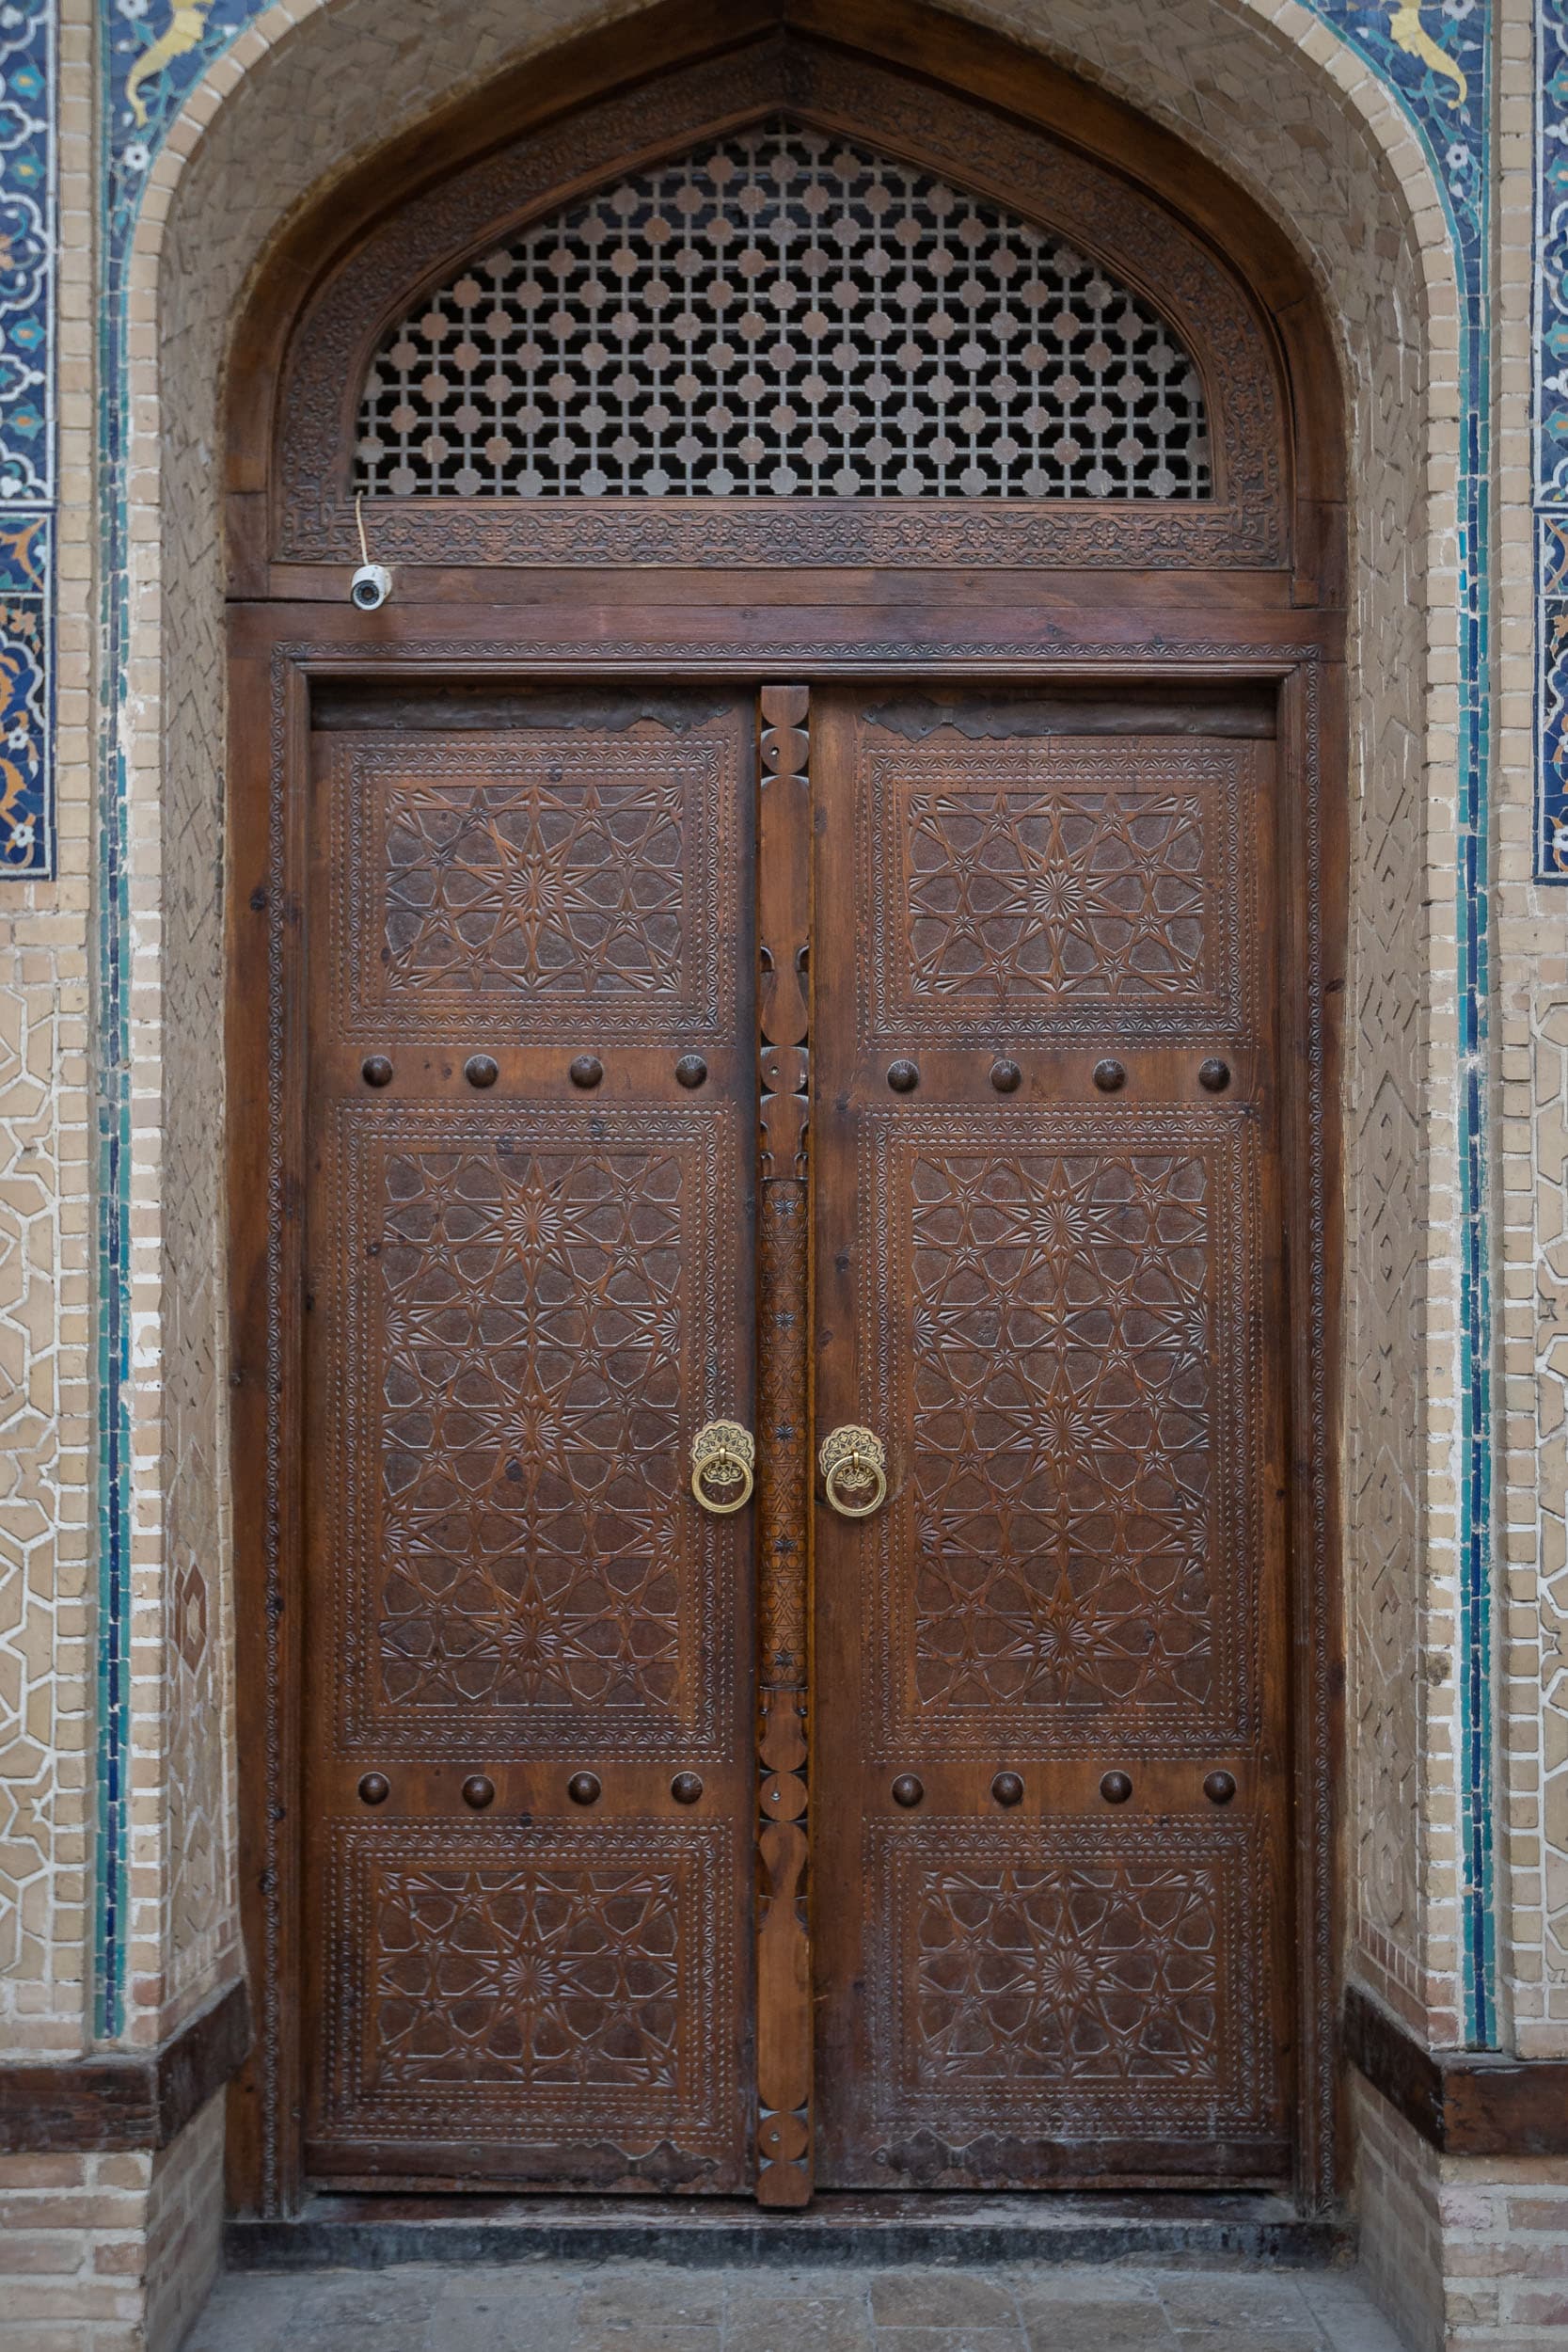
<point>26,713</point>
<point>1551,557</point>
<point>27,248</point>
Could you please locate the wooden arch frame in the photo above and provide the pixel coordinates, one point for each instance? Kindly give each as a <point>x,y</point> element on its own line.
<point>484,601</point>
<point>1244,521</point>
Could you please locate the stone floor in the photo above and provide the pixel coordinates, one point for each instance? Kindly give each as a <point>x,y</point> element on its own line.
<point>636,2307</point>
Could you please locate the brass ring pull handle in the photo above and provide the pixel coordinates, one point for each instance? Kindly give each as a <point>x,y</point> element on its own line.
<point>722,1457</point>
<point>854,1460</point>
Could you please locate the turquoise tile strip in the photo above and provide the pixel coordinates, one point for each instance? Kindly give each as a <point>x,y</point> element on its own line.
<point>1435,58</point>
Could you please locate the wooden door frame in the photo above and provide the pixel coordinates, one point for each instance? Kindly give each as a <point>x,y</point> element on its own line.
<point>272,671</point>
<point>289,625</point>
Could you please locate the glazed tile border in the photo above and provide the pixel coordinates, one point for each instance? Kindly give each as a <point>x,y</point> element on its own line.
<point>28,244</point>
<point>1435,55</point>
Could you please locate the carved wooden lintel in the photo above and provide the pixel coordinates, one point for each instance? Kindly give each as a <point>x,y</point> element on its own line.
<point>783,1952</point>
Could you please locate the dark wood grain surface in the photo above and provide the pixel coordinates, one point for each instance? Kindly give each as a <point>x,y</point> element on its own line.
<point>121,2099</point>
<point>785,2123</point>
<point>1464,2102</point>
<point>1059,1304</point>
<point>524,1294</point>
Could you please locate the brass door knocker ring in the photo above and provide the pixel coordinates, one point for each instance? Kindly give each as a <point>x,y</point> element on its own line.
<point>853,1461</point>
<point>722,1457</point>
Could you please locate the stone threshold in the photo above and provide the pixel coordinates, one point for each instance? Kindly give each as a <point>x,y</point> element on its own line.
<point>372,2233</point>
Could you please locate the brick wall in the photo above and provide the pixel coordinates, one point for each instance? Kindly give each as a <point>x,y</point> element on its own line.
<point>185,2226</point>
<point>1505,2255</point>
<point>110,2253</point>
<point>73,2252</point>
<point>1464,2254</point>
<point>1395,2189</point>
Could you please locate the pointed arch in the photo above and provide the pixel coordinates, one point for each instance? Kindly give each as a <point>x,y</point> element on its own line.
<point>1136,234</point>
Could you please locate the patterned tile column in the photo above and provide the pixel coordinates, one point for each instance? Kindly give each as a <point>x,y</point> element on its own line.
<point>28,242</point>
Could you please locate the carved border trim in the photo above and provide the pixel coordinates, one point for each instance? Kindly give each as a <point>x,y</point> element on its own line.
<point>285,669</point>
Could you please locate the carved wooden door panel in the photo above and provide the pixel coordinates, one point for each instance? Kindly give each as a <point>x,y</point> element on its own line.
<point>530,1162</point>
<point>1053,1928</point>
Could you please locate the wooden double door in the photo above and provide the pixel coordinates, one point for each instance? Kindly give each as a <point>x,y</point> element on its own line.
<point>896,1060</point>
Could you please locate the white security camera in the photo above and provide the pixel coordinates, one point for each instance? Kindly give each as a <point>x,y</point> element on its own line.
<point>371,587</point>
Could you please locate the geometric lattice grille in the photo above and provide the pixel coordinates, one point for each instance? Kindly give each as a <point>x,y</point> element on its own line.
<point>783,314</point>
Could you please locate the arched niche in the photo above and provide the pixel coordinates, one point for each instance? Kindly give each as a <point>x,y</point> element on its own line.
<point>1244,580</point>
